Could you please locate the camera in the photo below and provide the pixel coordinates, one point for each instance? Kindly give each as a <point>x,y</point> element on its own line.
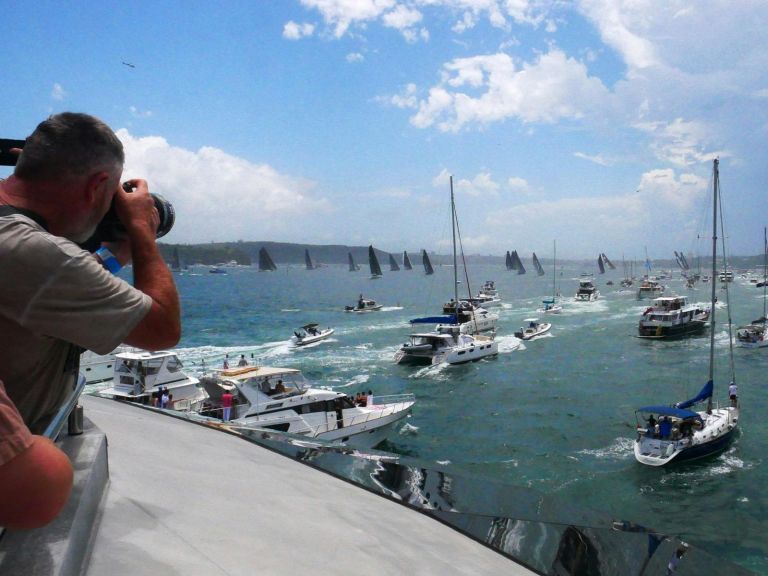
<point>7,158</point>
<point>110,228</point>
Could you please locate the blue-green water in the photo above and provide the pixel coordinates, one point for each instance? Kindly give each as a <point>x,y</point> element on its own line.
<point>557,414</point>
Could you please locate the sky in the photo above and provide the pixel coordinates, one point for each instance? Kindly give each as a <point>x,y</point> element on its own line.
<point>592,123</point>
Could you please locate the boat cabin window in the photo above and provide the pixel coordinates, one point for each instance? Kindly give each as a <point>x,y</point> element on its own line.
<point>174,364</point>
<point>319,406</point>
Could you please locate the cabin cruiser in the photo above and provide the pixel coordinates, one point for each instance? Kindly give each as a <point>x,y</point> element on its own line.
<point>309,334</point>
<point>472,319</point>
<point>282,399</point>
<point>487,296</point>
<point>672,316</point>
<point>754,335</point>
<point>446,344</point>
<point>141,376</point>
<point>726,276</point>
<point>649,288</point>
<point>364,305</point>
<point>587,292</point>
<point>99,368</point>
<point>533,329</point>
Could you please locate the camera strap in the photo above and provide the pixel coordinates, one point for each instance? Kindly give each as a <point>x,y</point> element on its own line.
<point>8,210</point>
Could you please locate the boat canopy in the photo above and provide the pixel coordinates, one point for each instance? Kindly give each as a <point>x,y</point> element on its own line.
<point>669,411</point>
<point>706,392</point>
<point>449,319</point>
<point>307,326</point>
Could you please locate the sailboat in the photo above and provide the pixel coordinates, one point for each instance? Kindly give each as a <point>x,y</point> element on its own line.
<point>427,264</point>
<point>517,263</point>
<point>393,264</point>
<point>176,261</point>
<point>755,335</point>
<point>352,266</point>
<point>265,261</point>
<point>308,260</point>
<point>551,306</point>
<point>680,433</point>
<point>600,264</point>
<point>508,261</point>
<point>407,261</point>
<point>607,262</point>
<point>537,265</point>
<point>373,262</point>
<point>447,343</point>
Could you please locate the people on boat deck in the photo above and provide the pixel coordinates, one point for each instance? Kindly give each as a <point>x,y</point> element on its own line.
<point>226,362</point>
<point>280,387</point>
<point>665,428</point>
<point>164,398</point>
<point>226,405</point>
<point>651,426</point>
<point>63,299</point>
<point>361,302</point>
<point>242,361</point>
<point>733,392</point>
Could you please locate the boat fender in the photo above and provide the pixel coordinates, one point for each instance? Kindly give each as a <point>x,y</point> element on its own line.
<point>670,449</point>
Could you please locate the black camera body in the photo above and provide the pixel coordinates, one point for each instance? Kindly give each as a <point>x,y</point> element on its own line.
<point>7,158</point>
<point>110,228</point>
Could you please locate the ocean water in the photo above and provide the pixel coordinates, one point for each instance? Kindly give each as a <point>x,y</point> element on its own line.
<point>555,414</point>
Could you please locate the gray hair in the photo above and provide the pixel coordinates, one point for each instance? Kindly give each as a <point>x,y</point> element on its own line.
<point>70,146</point>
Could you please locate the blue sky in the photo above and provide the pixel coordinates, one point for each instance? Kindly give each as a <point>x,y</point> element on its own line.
<point>592,122</point>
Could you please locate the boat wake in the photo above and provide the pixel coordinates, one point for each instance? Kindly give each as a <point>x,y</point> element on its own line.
<point>509,344</point>
<point>290,310</point>
<point>391,308</point>
<point>575,307</point>
<point>620,449</point>
<point>409,430</point>
<point>358,380</point>
<point>436,372</point>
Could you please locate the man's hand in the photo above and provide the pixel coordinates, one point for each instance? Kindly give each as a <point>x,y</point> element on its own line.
<point>136,210</point>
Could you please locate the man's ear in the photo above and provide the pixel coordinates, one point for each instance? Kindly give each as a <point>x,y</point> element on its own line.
<point>96,187</point>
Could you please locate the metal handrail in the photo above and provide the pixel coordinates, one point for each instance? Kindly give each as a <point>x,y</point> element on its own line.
<point>55,426</point>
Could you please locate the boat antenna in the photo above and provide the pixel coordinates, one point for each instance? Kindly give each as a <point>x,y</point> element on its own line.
<point>727,292</point>
<point>715,179</point>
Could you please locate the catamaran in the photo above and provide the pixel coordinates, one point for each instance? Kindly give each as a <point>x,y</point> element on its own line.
<point>680,433</point>
<point>551,306</point>
<point>447,343</point>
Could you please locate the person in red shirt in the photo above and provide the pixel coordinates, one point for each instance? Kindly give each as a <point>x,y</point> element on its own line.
<point>226,404</point>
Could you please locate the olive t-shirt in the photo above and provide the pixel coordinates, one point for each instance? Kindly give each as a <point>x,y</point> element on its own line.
<point>54,298</point>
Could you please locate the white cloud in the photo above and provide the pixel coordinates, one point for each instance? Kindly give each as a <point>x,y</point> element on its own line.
<point>679,142</point>
<point>596,158</point>
<point>551,88</point>
<point>354,57</point>
<point>341,14</point>
<point>57,92</point>
<point>218,196</point>
<point>518,185</point>
<point>136,113</point>
<point>402,17</point>
<point>482,185</point>
<point>295,31</point>
<point>406,99</point>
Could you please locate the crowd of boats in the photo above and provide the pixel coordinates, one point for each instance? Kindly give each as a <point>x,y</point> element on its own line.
<point>281,399</point>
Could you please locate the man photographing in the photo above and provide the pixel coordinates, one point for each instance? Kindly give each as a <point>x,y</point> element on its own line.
<point>57,299</point>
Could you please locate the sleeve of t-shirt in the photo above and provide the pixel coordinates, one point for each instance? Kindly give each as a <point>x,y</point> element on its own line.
<point>15,437</point>
<point>68,295</point>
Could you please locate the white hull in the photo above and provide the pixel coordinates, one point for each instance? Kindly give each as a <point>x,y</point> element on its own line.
<point>464,354</point>
<point>364,310</point>
<point>530,333</point>
<point>584,297</point>
<point>312,339</point>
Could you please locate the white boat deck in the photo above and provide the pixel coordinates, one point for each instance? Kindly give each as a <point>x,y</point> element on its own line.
<point>184,499</point>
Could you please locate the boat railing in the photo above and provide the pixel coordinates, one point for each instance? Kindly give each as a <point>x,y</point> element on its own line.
<point>62,416</point>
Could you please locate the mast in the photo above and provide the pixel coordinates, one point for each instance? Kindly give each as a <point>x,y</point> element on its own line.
<point>716,181</point>
<point>554,269</point>
<point>455,267</point>
<point>765,271</point>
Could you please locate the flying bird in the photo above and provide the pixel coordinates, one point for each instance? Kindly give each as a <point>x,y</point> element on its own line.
<point>128,64</point>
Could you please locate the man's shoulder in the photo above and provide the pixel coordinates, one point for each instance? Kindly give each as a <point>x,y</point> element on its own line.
<point>21,233</point>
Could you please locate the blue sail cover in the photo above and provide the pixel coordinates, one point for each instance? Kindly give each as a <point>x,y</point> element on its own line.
<point>705,393</point>
<point>450,319</point>
<point>669,411</point>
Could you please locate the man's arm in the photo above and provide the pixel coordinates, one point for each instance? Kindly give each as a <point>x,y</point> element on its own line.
<point>34,486</point>
<point>161,327</point>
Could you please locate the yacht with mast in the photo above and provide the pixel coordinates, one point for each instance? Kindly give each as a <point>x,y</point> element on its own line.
<point>393,266</point>
<point>373,263</point>
<point>551,306</point>
<point>447,343</point>
<point>428,270</point>
<point>680,433</point>
<point>352,266</point>
<point>407,261</point>
<point>265,261</point>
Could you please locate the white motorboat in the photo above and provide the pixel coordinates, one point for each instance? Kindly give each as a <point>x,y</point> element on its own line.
<point>472,319</point>
<point>534,328</point>
<point>140,376</point>
<point>649,288</point>
<point>487,296</point>
<point>364,305</point>
<point>282,399</point>
<point>680,433</point>
<point>755,335</point>
<point>587,291</point>
<point>672,317</point>
<point>98,368</point>
<point>309,334</point>
<point>445,344</point>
